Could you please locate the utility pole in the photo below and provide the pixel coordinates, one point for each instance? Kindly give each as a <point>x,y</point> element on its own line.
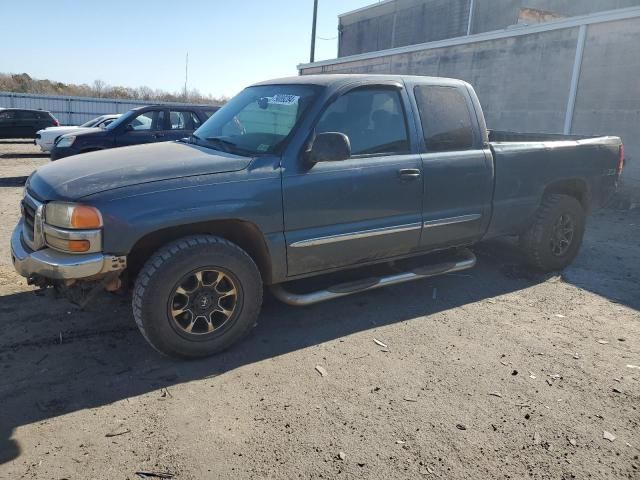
<point>186,74</point>
<point>313,31</point>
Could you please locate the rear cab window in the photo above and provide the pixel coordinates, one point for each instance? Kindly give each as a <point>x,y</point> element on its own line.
<point>447,124</point>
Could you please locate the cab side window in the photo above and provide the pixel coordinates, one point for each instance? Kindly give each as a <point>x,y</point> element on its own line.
<point>27,115</point>
<point>179,120</point>
<point>446,120</point>
<point>372,118</point>
<point>144,121</point>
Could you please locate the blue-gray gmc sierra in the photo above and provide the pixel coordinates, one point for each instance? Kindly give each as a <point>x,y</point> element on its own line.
<point>301,177</point>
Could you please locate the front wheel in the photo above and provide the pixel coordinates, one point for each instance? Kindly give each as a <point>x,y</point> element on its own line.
<point>553,240</point>
<point>197,296</point>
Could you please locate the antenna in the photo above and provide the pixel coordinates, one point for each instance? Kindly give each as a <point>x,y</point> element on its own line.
<point>186,74</point>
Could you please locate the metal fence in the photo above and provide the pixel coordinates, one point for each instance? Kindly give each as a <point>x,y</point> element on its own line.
<point>72,110</point>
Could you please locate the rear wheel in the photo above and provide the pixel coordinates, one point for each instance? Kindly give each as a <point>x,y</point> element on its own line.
<point>553,240</point>
<point>197,296</point>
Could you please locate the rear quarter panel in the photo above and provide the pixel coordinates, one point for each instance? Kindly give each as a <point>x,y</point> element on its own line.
<point>525,170</point>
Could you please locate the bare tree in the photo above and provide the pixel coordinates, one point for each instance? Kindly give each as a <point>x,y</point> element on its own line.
<point>98,87</point>
<point>23,83</point>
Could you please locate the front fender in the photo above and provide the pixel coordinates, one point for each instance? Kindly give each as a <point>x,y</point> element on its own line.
<point>135,211</point>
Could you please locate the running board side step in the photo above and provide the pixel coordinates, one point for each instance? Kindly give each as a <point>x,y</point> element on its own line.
<point>464,260</point>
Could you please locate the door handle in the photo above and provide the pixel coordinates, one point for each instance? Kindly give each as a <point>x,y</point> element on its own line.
<point>409,173</point>
<point>159,135</point>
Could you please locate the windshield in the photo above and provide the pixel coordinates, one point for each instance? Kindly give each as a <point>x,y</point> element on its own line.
<point>257,120</point>
<point>93,122</point>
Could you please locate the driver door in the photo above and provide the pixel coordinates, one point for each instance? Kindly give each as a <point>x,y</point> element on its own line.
<point>146,127</point>
<point>362,209</point>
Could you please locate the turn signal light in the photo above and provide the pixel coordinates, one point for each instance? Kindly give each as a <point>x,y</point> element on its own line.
<point>85,217</point>
<point>78,246</point>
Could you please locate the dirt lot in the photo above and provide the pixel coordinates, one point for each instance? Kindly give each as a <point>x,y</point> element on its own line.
<point>489,374</point>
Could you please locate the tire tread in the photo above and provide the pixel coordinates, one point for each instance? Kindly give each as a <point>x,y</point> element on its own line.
<point>166,254</point>
<point>532,241</point>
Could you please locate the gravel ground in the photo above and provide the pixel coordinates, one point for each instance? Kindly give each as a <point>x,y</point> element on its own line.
<point>493,373</point>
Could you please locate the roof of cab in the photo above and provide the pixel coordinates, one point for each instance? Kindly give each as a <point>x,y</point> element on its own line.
<point>177,105</point>
<point>25,109</point>
<point>341,78</point>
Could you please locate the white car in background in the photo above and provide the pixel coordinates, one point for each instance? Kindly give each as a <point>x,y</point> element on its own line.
<point>47,137</point>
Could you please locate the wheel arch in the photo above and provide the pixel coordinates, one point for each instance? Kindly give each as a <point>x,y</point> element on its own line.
<point>240,232</point>
<point>577,188</point>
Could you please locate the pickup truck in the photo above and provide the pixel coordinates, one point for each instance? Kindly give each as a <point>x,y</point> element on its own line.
<point>304,177</point>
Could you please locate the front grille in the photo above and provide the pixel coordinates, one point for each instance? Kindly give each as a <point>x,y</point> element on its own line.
<point>29,219</point>
<point>32,222</point>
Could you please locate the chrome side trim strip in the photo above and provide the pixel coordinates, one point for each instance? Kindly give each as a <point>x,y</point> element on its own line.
<point>355,235</point>
<point>452,220</point>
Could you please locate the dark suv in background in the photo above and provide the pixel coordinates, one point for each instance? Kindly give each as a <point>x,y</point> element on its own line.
<point>155,123</point>
<point>24,123</point>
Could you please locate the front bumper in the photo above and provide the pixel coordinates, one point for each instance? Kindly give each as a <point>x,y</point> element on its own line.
<point>55,265</point>
<point>44,146</point>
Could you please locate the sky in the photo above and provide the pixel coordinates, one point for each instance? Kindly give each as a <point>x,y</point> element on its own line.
<point>132,43</point>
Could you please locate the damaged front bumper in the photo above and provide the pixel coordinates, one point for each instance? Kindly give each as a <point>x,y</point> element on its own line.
<point>51,264</point>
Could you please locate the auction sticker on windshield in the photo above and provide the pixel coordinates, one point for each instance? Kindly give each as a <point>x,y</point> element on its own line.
<point>283,99</point>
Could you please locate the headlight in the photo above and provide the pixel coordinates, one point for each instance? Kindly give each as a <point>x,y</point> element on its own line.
<point>66,141</point>
<point>71,227</point>
<point>72,215</point>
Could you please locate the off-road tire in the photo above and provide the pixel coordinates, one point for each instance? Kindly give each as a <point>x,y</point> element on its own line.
<point>536,241</point>
<point>155,283</point>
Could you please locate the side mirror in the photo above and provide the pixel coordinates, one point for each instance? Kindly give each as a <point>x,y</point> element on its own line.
<point>128,128</point>
<point>330,147</point>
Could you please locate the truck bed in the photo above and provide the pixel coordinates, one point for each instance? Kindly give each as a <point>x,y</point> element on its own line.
<point>527,165</point>
<point>502,136</point>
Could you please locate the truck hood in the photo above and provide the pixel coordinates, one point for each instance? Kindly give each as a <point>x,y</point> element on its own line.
<point>89,173</point>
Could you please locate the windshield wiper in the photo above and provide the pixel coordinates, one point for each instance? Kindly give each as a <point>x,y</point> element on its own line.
<point>225,144</point>
<point>230,147</point>
<point>191,139</point>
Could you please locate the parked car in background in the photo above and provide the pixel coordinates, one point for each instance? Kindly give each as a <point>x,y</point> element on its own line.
<point>300,177</point>
<point>24,123</point>
<point>155,123</point>
<point>46,138</point>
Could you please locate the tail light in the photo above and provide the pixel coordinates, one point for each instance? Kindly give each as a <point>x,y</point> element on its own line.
<point>620,160</point>
<point>56,123</point>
